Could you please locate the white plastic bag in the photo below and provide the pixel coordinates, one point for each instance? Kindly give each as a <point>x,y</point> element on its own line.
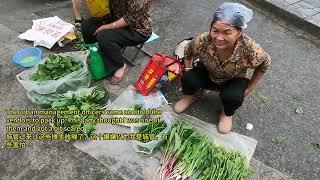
<point>125,101</point>
<point>47,31</point>
<point>70,82</point>
<point>152,101</point>
<point>147,148</point>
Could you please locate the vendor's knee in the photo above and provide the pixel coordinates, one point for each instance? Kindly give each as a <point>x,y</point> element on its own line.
<point>85,26</point>
<point>105,37</point>
<point>230,98</point>
<point>189,79</point>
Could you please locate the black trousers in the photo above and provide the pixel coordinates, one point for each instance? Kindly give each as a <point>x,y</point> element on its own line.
<point>110,41</point>
<point>231,92</point>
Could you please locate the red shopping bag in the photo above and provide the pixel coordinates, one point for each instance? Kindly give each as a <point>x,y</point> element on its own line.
<point>158,65</point>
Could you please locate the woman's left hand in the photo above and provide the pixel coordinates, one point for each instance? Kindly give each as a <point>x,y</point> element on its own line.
<point>252,83</point>
<point>101,28</point>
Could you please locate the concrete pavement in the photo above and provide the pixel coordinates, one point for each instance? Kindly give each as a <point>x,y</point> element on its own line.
<point>303,13</point>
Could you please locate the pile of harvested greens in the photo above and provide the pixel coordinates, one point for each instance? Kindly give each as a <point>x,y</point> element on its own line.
<point>55,68</point>
<point>188,153</point>
<point>94,101</point>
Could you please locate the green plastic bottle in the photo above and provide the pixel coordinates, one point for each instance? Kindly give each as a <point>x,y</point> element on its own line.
<point>97,67</point>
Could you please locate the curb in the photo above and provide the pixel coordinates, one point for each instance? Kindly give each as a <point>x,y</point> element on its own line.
<point>288,16</point>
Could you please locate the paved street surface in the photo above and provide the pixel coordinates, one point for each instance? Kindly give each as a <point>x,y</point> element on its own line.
<point>284,137</point>
<point>308,10</point>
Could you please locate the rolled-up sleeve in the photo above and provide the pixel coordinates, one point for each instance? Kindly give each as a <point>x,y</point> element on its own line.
<point>193,49</point>
<point>260,60</point>
<point>265,61</point>
<point>134,10</point>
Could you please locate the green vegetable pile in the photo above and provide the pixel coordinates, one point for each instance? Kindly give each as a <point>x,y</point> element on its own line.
<point>94,101</point>
<point>152,128</point>
<point>79,43</point>
<point>188,153</point>
<point>55,68</point>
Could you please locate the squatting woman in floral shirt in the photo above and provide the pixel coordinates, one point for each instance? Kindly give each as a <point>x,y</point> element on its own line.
<point>225,55</point>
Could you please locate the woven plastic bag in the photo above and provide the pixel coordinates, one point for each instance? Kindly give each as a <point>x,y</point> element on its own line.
<point>70,82</point>
<point>147,148</point>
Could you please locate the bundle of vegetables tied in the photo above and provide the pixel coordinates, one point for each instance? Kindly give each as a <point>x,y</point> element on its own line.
<point>94,101</point>
<point>189,154</point>
<point>55,68</point>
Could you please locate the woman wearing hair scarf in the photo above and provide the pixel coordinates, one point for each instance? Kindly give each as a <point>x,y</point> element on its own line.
<point>225,55</point>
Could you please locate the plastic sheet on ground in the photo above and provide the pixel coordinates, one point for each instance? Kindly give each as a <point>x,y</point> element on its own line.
<point>129,98</point>
<point>121,157</point>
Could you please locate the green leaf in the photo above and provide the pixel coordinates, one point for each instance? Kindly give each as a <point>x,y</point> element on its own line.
<point>177,143</point>
<point>263,98</point>
<point>88,128</point>
<point>279,140</point>
<point>72,107</point>
<point>85,106</point>
<point>299,110</point>
<point>59,103</point>
<point>316,146</point>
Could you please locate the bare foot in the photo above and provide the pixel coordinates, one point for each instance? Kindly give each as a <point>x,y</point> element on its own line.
<point>119,75</point>
<point>225,123</point>
<point>184,103</point>
<point>120,71</point>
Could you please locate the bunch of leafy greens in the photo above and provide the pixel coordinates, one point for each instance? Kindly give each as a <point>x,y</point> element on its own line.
<point>94,101</point>
<point>188,153</point>
<point>55,68</point>
<point>79,43</point>
<point>152,128</point>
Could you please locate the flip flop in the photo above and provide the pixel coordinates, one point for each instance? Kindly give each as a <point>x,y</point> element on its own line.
<point>115,80</point>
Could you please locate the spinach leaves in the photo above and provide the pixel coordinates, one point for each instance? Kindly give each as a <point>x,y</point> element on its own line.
<point>55,68</point>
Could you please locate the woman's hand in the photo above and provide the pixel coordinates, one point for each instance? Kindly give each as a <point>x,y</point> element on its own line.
<point>101,28</point>
<point>253,83</point>
<point>120,23</point>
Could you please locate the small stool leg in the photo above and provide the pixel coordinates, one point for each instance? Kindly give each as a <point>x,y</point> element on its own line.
<point>136,54</point>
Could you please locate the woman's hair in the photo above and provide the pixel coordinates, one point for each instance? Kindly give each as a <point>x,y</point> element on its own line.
<point>236,24</point>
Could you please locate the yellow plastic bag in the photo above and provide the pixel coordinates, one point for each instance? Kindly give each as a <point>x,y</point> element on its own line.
<point>98,8</point>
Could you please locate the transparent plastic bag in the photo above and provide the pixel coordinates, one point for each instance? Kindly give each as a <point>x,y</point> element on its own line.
<point>234,14</point>
<point>70,82</point>
<point>152,101</point>
<point>42,100</point>
<point>45,100</point>
<point>129,99</point>
<point>147,148</point>
<point>125,101</point>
